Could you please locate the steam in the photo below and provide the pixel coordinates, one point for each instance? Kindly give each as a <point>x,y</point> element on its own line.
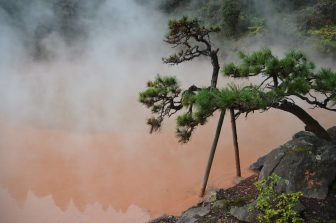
<point>83,82</point>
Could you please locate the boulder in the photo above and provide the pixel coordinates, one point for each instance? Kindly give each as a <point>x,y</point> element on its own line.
<point>332,133</point>
<point>164,219</point>
<point>257,166</point>
<point>192,214</point>
<point>305,163</point>
<point>245,213</point>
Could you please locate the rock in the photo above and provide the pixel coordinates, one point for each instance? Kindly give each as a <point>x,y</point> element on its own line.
<point>219,204</point>
<point>271,161</point>
<point>237,180</point>
<point>299,207</point>
<point>210,196</point>
<point>332,133</point>
<point>245,213</point>
<point>305,163</point>
<point>256,166</point>
<point>164,219</point>
<point>192,215</point>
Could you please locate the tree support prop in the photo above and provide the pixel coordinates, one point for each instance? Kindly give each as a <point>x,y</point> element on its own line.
<point>235,142</point>
<point>212,152</point>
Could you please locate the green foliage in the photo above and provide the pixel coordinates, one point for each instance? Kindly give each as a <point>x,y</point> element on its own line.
<point>319,15</point>
<point>262,62</point>
<point>301,149</point>
<point>230,11</point>
<point>160,87</point>
<point>294,70</point>
<point>208,100</point>
<point>283,78</point>
<point>326,81</point>
<point>187,27</point>
<point>190,37</point>
<point>327,38</point>
<point>164,97</point>
<point>297,85</point>
<point>170,6</point>
<point>185,120</point>
<point>159,97</point>
<point>256,25</point>
<point>239,17</point>
<point>280,80</point>
<point>293,4</point>
<point>234,17</point>
<point>274,207</point>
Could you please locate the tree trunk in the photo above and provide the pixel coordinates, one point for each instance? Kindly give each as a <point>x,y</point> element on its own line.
<point>235,142</point>
<point>311,124</point>
<point>212,152</point>
<point>215,66</point>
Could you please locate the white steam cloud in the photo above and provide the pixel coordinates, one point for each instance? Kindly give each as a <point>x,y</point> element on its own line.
<point>87,83</point>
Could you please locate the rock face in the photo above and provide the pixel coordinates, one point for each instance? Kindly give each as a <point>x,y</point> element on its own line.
<point>305,163</point>
<point>192,215</point>
<point>245,213</point>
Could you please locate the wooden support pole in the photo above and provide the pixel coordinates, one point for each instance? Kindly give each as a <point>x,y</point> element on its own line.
<point>212,152</point>
<point>235,142</point>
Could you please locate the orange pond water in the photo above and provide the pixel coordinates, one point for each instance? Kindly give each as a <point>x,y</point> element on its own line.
<point>55,175</point>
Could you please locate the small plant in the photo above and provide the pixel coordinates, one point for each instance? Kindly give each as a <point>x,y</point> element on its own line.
<point>273,207</point>
<point>326,36</point>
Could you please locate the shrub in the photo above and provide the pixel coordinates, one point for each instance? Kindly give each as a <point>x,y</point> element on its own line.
<point>273,207</point>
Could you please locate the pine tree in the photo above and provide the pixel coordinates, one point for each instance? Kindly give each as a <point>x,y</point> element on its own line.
<point>165,97</point>
<point>281,81</point>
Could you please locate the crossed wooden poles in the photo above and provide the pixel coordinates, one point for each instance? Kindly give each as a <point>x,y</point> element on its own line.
<point>214,146</point>
<point>214,61</point>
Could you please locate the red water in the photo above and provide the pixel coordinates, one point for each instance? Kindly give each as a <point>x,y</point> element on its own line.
<point>57,175</point>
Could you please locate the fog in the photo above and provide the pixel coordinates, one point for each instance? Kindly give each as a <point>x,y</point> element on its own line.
<point>74,146</point>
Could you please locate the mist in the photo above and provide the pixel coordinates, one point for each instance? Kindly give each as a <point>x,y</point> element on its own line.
<point>74,146</point>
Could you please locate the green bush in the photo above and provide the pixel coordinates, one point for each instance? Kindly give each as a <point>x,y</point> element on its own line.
<point>273,207</point>
<point>327,38</point>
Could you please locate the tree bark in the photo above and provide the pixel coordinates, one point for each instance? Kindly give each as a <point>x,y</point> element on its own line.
<point>311,124</point>
<point>215,66</point>
<point>235,142</point>
<point>212,152</point>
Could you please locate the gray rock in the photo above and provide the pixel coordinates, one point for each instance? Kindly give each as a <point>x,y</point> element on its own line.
<point>245,213</point>
<point>192,215</point>
<point>165,219</point>
<point>210,196</point>
<point>272,160</point>
<point>219,204</point>
<point>332,133</point>
<point>305,163</point>
<point>256,166</point>
<point>299,207</point>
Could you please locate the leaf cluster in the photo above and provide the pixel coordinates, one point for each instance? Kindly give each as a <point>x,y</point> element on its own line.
<point>191,38</point>
<point>161,96</point>
<point>281,79</point>
<point>292,75</point>
<point>318,15</point>
<point>274,207</point>
<point>327,38</point>
<point>205,101</point>
<point>234,17</point>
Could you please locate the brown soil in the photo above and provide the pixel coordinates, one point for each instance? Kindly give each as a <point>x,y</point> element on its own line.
<point>316,211</point>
